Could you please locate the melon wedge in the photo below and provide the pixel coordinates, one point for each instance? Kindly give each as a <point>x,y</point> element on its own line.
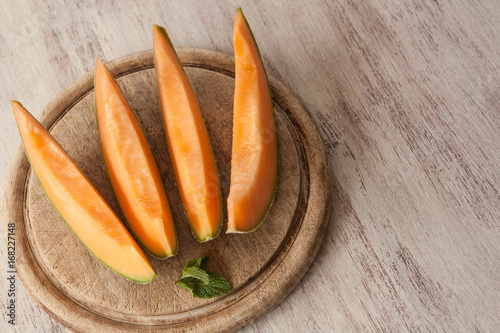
<point>132,168</point>
<point>79,203</point>
<point>189,145</point>
<point>254,159</point>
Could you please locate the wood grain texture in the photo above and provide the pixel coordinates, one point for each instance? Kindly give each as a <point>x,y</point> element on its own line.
<point>407,98</point>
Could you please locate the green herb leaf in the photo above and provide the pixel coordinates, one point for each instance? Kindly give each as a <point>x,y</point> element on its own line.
<point>195,273</point>
<point>197,262</point>
<point>201,283</point>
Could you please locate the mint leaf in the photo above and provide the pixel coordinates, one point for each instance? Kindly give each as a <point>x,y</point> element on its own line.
<point>188,282</point>
<point>196,273</point>
<point>201,283</point>
<point>218,286</point>
<point>197,262</point>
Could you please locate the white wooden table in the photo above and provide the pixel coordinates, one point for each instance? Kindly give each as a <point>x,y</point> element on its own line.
<point>407,98</point>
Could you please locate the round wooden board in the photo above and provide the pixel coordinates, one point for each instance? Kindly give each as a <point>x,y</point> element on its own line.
<point>263,266</point>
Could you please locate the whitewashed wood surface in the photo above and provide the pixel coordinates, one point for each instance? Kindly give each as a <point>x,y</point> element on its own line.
<point>407,97</point>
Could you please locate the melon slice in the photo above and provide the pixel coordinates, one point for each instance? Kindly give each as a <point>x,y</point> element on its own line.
<point>189,145</point>
<point>79,203</point>
<point>254,160</point>
<point>132,169</point>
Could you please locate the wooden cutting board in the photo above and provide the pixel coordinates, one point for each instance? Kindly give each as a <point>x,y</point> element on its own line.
<point>263,266</point>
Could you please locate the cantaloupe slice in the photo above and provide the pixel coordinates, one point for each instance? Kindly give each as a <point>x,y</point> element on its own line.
<point>189,145</point>
<point>254,160</point>
<point>132,169</point>
<point>79,203</point>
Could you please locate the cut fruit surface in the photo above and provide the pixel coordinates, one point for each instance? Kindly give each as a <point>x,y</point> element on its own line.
<point>189,145</point>
<point>78,202</point>
<point>254,159</point>
<point>132,169</point>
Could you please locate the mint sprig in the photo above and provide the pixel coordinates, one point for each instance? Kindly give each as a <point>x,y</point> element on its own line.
<point>200,282</point>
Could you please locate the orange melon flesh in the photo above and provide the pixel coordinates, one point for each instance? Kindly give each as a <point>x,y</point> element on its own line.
<point>79,203</point>
<point>189,145</point>
<point>132,169</point>
<point>254,160</point>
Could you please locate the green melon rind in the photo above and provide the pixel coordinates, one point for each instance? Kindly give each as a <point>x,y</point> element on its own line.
<point>146,280</point>
<point>219,225</point>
